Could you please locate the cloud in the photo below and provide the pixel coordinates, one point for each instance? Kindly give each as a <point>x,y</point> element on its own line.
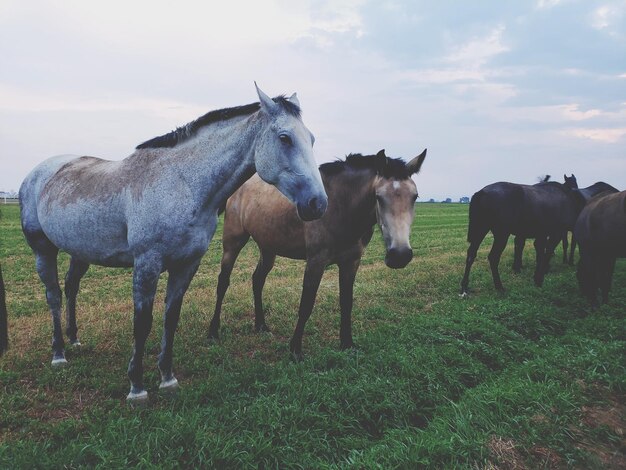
<point>609,136</point>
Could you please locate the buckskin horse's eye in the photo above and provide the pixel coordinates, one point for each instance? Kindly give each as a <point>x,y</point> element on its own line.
<point>285,139</point>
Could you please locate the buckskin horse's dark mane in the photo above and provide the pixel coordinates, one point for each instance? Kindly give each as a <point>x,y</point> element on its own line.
<point>388,168</point>
<point>186,132</point>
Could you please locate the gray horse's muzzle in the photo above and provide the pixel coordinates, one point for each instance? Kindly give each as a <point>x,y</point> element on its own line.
<point>312,209</point>
<point>398,258</point>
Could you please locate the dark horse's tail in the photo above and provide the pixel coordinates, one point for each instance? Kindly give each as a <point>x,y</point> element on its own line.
<point>4,327</point>
<point>477,220</point>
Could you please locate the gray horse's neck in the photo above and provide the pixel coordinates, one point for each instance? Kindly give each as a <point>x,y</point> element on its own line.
<point>220,160</point>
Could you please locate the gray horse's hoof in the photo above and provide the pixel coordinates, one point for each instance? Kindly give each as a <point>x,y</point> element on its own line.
<point>59,362</point>
<point>169,386</point>
<point>137,398</point>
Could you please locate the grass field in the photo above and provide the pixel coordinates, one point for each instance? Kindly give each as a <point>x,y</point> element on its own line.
<point>528,379</point>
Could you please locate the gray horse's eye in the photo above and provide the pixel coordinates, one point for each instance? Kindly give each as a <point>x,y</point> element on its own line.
<point>285,139</point>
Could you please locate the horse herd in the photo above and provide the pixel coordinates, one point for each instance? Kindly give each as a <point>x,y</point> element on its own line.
<point>115,213</point>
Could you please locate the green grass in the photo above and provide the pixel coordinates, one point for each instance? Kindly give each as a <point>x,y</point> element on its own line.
<point>529,378</point>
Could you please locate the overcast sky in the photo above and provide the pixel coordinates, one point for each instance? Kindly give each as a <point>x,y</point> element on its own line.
<point>497,90</point>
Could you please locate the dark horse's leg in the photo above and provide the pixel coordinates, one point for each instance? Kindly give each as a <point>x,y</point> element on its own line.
<point>471,256</point>
<point>264,266</point>
<point>145,277</point>
<point>4,321</point>
<point>72,284</point>
<point>177,284</point>
<point>347,273</point>
<point>519,250</point>
<point>545,250</point>
<point>312,277</point>
<point>232,248</point>
<point>499,243</point>
<point>572,248</point>
<point>565,245</point>
<point>606,267</point>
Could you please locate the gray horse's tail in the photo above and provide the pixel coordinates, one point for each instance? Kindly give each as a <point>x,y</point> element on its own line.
<point>477,221</point>
<point>4,325</point>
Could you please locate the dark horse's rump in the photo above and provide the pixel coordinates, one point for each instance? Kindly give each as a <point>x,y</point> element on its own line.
<point>542,211</point>
<point>601,234</point>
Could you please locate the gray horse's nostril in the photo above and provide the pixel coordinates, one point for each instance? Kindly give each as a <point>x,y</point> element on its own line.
<point>313,204</point>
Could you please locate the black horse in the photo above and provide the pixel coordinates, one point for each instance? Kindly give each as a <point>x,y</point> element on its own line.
<point>601,234</point>
<point>587,193</point>
<point>520,242</point>
<point>542,211</point>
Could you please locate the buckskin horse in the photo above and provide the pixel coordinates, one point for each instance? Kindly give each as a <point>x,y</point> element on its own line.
<point>157,210</point>
<point>362,190</point>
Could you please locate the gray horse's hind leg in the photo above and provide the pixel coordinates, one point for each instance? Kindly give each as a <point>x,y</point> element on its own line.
<point>264,266</point>
<point>232,248</point>
<point>72,284</point>
<point>177,285</point>
<point>47,270</point>
<point>145,278</point>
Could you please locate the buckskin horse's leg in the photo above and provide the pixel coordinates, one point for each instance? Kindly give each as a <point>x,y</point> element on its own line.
<point>312,277</point>
<point>347,274</point>
<point>145,277</point>
<point>499,243</point>
<point>72,283</point>
<point>263,267</point>
<point>232,248</point>
<point>177,284</point>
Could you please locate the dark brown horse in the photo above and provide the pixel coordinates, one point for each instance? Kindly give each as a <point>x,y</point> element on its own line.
<point>587,193</point>
<point>542,211</point>
<point>601,234</point>
<point>362,190</point>
<point>4,336</point>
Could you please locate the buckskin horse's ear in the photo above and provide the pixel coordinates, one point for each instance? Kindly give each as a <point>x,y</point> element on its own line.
<point>267,103</point>
<point>381,160</point>
<point>414,165</point>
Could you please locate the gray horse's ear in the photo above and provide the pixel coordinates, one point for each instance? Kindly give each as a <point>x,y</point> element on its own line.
<point>267,103</point>
<point>294,99</point>
<point>414,165</point>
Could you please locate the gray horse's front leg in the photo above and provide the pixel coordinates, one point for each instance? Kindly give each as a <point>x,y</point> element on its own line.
<point>145,277</point>
<point>177,285</point>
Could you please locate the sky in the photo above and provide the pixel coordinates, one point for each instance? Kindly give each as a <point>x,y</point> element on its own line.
<point>496,90</point>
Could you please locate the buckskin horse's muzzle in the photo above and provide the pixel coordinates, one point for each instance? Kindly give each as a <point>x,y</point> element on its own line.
<point>397,258</point>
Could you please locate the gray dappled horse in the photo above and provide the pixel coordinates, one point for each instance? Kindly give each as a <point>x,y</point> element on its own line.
<point>542,211</point>
<point>362,190</point>
<point>601,234</point>
<point>157,210</point>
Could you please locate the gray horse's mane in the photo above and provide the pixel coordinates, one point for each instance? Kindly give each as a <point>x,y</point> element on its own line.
<point>388,168</point>
<point>186,132</point>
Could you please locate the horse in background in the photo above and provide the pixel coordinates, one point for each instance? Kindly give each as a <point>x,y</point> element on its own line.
<point>542,211</point>
<point>157,210</point>
<point>362,191</point>
<point>601,234</point>
<point>4,330</point>
<point>520,242</point>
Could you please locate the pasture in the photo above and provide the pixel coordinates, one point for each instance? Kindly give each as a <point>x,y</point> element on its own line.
<point>528,378</point>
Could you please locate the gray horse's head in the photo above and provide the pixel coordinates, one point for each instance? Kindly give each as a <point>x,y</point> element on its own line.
<point>284,156</point>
